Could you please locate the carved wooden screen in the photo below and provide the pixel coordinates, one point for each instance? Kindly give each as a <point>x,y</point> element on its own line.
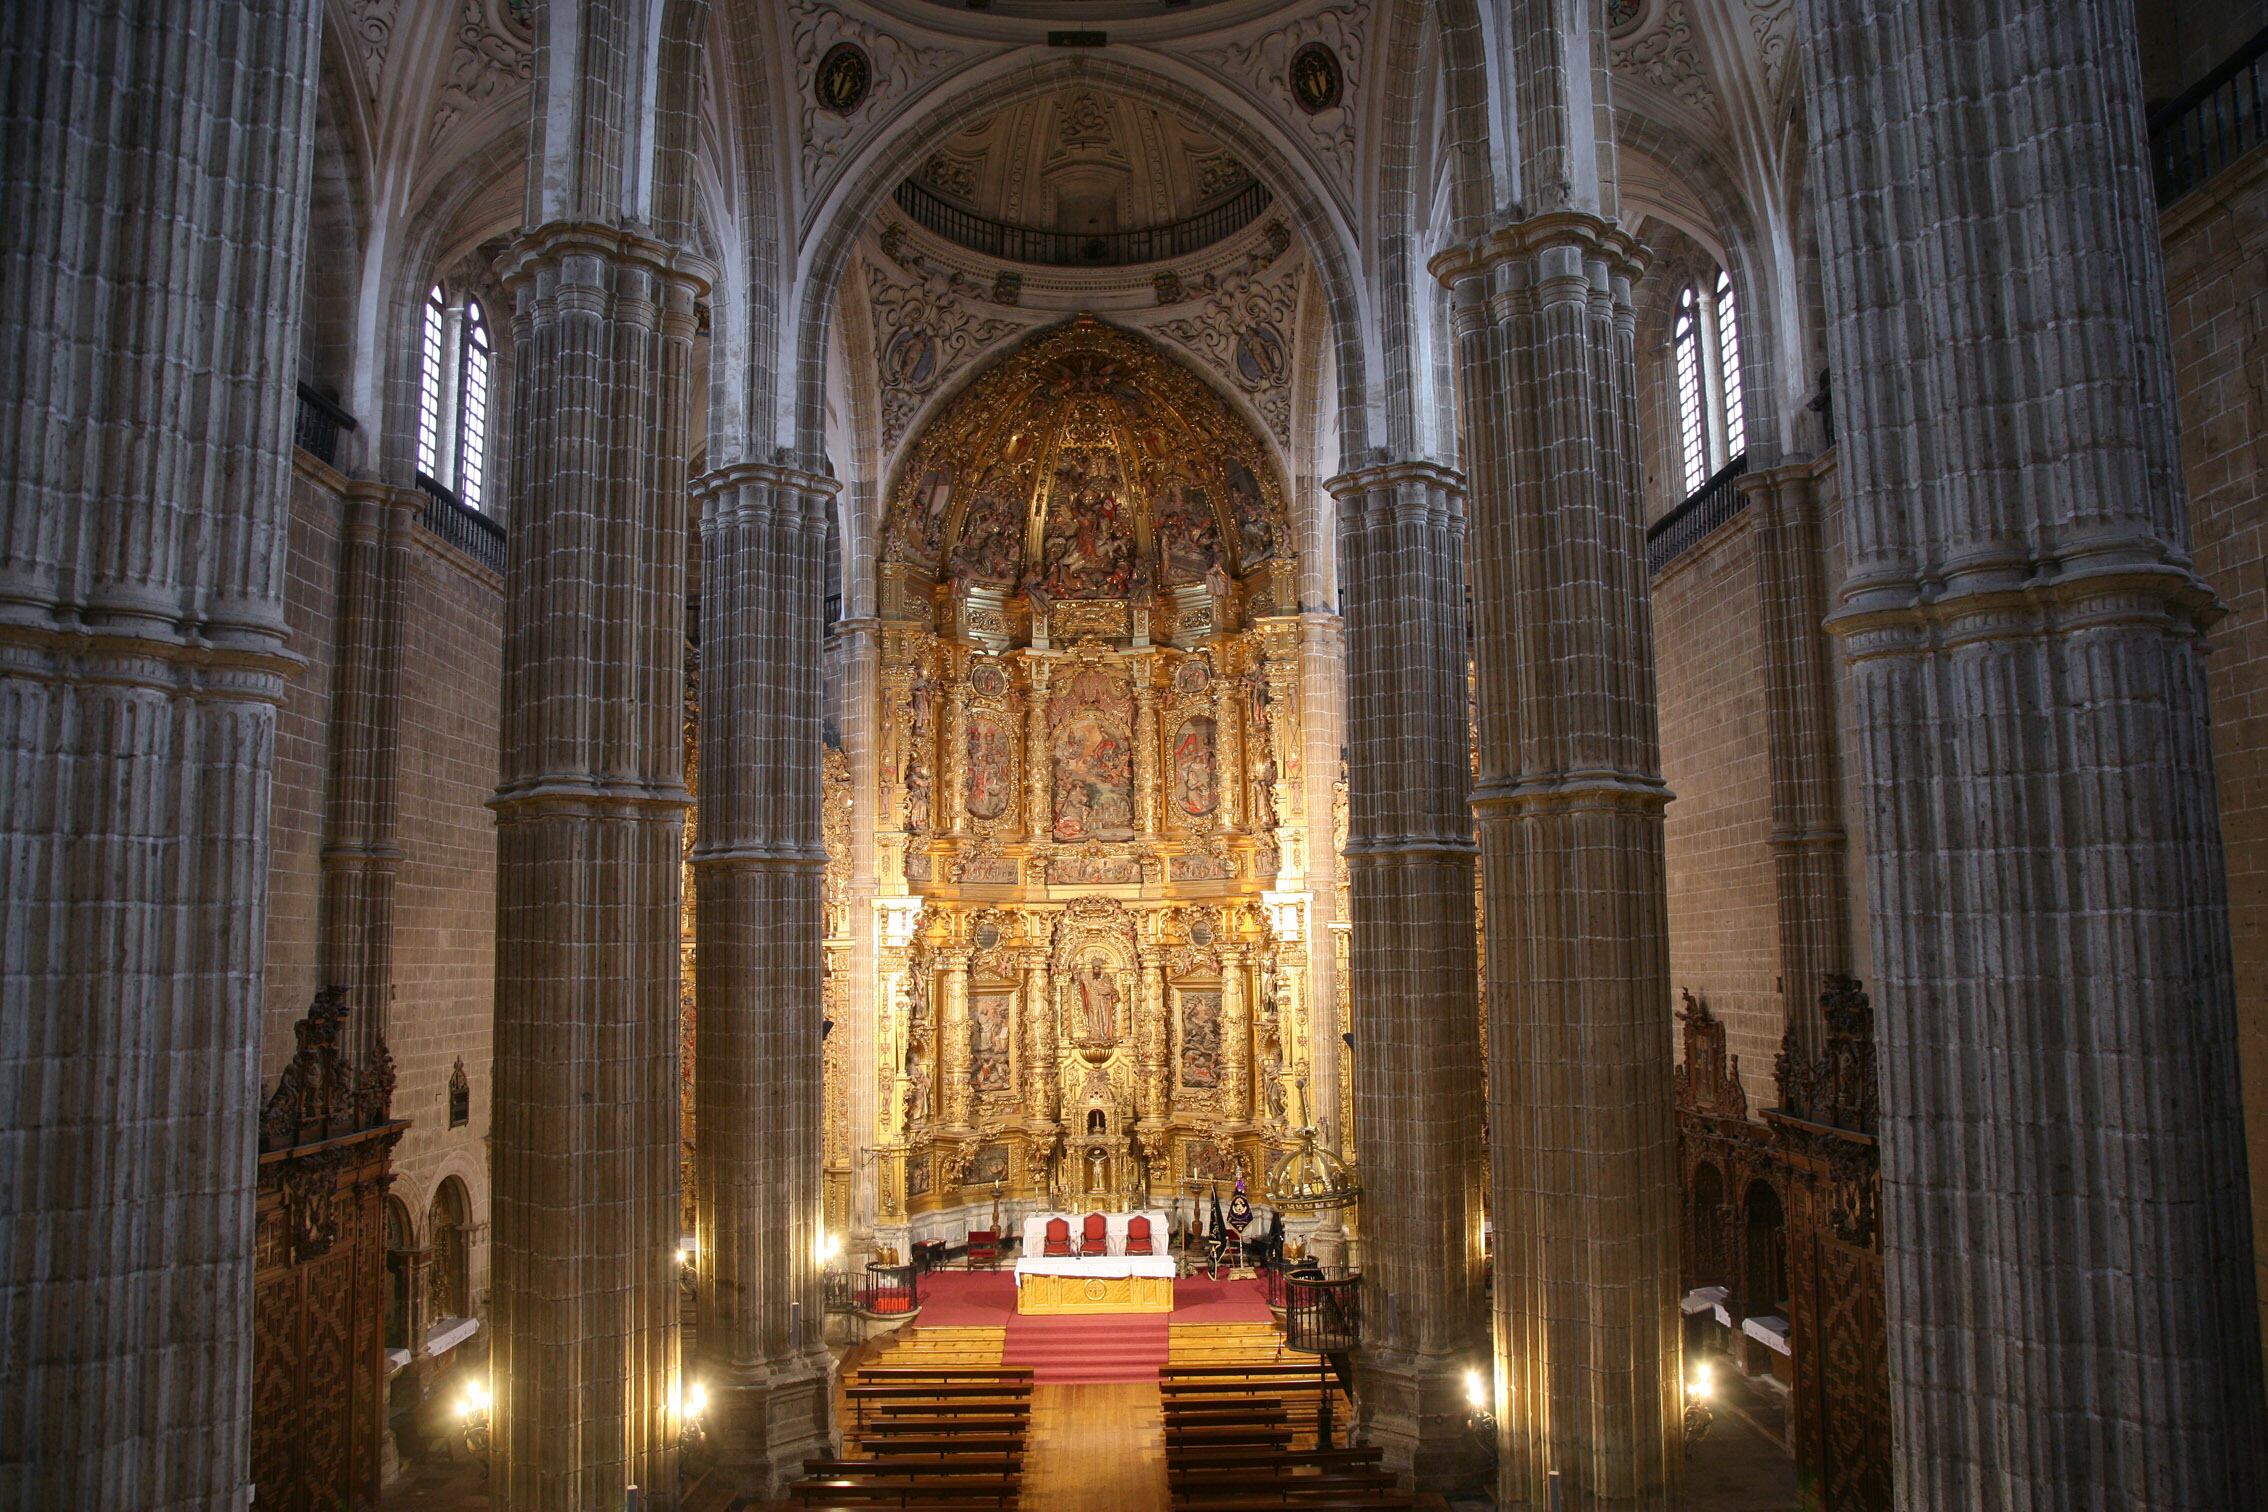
<point>319,1281</point>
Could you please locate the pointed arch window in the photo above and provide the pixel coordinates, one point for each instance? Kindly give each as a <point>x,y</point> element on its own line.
<point>1728,367</point>
<point>432,338</point>
<point>472,410</point>
<point>1692,421</point>
<point>1712,415</point>
<point>455,398</point>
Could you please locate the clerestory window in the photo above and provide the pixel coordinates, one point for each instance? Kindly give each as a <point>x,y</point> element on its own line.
<point>457,357</point>
<point>1712,420</point>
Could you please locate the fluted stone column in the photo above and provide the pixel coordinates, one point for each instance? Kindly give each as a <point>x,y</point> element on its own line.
<point>856,713</point>
<point>362,854</point>
<point>589,819</point>
<point>1582,1134</point>
<point>1410,896</point>
<point>2066,1235</point>
<point>155,158</point>
<point>1810,888</point>
<point>758,874</point>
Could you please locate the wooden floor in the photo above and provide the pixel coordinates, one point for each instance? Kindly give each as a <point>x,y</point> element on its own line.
<point>1098,1448</point>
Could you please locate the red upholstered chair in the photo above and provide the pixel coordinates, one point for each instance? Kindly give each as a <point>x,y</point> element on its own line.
<point>1096,1240</point>
<point>1138,1235</point>
<point>1058,1238</point>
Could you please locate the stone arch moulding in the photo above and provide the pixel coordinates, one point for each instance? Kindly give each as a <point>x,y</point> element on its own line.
<point>1305,200</point>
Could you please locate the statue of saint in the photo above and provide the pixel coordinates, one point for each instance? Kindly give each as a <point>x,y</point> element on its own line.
<point>1055,1157</point>
<point>1098,1003</point>
<point>1137,1173</point>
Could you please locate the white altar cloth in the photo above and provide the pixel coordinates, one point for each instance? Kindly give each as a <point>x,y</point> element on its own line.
<point>1035,1236</point>
<point>1108,1266</point>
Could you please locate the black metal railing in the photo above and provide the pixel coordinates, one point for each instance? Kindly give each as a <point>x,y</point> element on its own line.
<point>1079,249</point>
<point>838,1294</point>
<point>467,529</point>
<point>320,424</point>
<point>891,1290</point>
<point>2217,121</point>
<point>1703,512</point>
<point>1323,1314</point>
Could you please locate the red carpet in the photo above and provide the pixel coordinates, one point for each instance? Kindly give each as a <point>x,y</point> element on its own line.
<point>967,1299</point>
<point>1105,1347</point>
<point>987,1299</point>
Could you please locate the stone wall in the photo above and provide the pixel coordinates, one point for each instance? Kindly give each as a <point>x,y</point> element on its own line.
<point>1709,665</point>
<point>445,911</point>
<point>303,763</point>
<point>2216,244</point>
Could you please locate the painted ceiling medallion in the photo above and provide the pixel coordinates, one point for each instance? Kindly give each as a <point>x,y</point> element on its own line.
<point>845,76</point>
<point>1317,81</point>
<point>1622,15</point>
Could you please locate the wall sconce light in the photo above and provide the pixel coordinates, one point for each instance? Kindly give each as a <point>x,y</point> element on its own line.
<point>829,1246</point>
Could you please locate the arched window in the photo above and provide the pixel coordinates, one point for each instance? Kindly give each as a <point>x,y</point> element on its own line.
<point>455,389</point>
<point>1728,362</point>
<point>432,336</point>
<point>1712,421</point>
<point>1692,424</point>
<point>472,410</point>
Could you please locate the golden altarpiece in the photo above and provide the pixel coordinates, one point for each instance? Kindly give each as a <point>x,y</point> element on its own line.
<point>1092,978</point>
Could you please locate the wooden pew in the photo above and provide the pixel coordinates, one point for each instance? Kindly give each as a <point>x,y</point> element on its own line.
<point>1179,1461</point>
<point>888,1373</point>
<point>880,1491</point>
<point>910,1467</point>
<point>938,1446</point>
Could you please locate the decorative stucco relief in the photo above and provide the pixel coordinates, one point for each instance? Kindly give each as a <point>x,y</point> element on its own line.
<point>899,67</point>
<point>924,331</point>
<point>1243,332</point>
<point>1664,53</point>
<point>1264,67</point>
<point>371,34</point>
<point>1772,24</point>
<point>494,52</point>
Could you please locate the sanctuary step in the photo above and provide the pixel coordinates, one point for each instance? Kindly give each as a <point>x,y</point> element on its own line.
<point>1103,1348</point>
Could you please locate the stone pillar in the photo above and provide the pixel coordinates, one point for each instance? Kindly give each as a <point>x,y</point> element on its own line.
<point>953,1035</point>
<point>1809,883</point>
<point>155,157</point>
<point>760,872</point>
<point>1410,876</point>
<point>2066,1234</point>
<point>863,1049</point>
<point>589,818</point>
<point>1583,1135</point>
<point>361,853</point>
